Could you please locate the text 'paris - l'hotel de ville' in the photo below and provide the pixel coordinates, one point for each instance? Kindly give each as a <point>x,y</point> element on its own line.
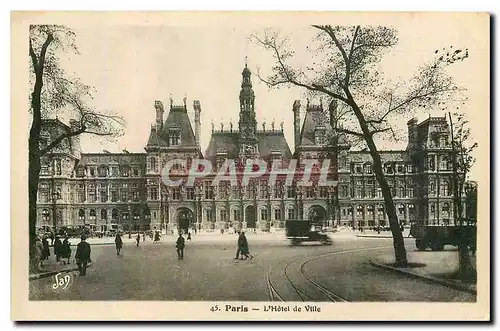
<point>106,191</point>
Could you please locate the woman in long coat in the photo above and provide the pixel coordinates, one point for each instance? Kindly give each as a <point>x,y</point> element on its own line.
<point>244,250</point>
<point>118,243</point>
<point>66,249</point>
<point>46,249</point>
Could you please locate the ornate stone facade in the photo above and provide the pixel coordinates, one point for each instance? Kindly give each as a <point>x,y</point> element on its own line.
<point>106,191</point>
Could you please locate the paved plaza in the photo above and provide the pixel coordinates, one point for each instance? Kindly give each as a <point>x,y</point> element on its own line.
<point>278,272</point>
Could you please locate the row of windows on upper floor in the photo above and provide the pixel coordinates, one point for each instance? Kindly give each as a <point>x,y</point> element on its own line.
<point>389,168</point>
<point>360,192</point>
<point>102,171</point>
<point>189,193</point>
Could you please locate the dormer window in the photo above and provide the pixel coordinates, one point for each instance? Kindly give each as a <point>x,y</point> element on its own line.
<point>320,136</point>
<point>174,137</point>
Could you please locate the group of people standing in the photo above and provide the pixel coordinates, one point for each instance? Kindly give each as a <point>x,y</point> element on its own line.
<point>62,250</point>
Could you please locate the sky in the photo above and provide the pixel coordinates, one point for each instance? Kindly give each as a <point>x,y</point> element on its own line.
<point>132,65</point>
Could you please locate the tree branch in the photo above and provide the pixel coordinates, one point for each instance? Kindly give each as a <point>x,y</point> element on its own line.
<point>59,139</point>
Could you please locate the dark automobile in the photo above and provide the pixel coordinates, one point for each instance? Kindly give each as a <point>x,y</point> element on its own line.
<point>303,230</point>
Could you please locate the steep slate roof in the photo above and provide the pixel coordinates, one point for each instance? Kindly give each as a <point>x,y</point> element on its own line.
<point>314,117</point>
<point>177,117</point>
<point>155,140</point>
<point>222,141</point>
<point>269,141</point>
<point>426,129</point>
<point>273,141</point>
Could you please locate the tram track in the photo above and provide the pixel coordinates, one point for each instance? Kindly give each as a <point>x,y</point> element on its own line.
<point>302,294</point>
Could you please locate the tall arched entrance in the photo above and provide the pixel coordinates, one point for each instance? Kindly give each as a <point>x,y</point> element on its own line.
<point>250,217</point>
<point>185,219</point>
<point>317,215</point>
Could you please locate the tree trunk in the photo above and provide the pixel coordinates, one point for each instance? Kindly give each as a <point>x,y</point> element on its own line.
<point>465,269</point>
<point>33,176</point>
<point>397,235</point>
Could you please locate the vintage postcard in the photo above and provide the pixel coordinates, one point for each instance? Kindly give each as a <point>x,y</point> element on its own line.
<point>250,166</point>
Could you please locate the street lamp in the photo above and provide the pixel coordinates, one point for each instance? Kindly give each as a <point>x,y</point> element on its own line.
<point>54,210</point>
<point>129,219</point>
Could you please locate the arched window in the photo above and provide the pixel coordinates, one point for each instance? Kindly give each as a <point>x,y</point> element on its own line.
<point>114,215</point>
<point>263,214</point>
<point>104,214</point>
<point>291,213</point>
<point>446,207</point>
<point>359,210</point>
<point>401,210</point>
<point>380,210</point>
<point>411,209</point>
<point>81,214</point>
<point>92,214</point>
<point>45,214</point>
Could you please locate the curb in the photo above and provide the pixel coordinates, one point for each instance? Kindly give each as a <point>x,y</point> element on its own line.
<point>51,273</point>
<point>428,278</point>
<point>55,272</point>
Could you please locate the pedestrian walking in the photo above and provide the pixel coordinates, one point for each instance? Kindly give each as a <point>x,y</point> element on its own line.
<point>138,239</point>
<point>144,237</point>
<point>189,236</point>
<point>46,249</point>
<point>38,262</point>
<point>66,250</point>
<point>57,248</point>
<point>180,247</point>
<point>118,243</point>
<point>244,250</point>
<point>240,241</point>
<point>82,255</point>
<point>157,236</point>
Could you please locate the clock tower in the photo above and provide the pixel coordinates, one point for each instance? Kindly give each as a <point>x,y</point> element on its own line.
<point>248,125</point>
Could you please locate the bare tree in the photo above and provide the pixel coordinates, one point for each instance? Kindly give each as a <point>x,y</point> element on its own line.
<point>54,91</point>
<point>345,68</point>
<point>462,161</point>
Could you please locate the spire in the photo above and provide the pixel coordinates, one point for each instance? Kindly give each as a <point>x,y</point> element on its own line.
<point>246,82</point>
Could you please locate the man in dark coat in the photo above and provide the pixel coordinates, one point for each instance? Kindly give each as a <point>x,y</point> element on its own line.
<point>46,249</point>
<point>244,250</point>
<point>82,255</point>
<point>118,243</point>
<point>180,247</point>
<point>240,243</point>
<point>57,248</point>
<point>138,239</point>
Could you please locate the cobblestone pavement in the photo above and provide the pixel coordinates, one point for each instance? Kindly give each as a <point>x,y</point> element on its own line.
<point>310,272</point>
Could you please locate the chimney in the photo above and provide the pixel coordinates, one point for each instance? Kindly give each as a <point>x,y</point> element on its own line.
<point>296,123</point>
<point>412,132</point>
<point>197,121</point>
<point>159,114</point>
